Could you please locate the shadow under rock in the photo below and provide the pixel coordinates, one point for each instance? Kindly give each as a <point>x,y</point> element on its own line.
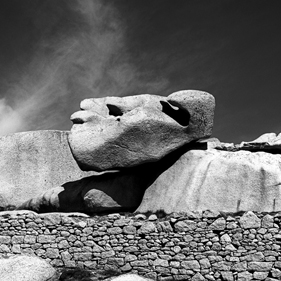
<point>108,192</point>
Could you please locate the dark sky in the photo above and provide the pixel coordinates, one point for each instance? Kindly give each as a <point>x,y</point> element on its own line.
<point>54,53</point>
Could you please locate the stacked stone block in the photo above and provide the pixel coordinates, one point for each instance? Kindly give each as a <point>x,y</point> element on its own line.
<point>193,246</point>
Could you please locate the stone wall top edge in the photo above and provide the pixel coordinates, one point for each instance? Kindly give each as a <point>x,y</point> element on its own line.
<point>142,216</point>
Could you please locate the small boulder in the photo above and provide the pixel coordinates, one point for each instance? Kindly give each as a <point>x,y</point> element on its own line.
<point>250,220</point>
<point>218,224</point>
<point>26,268</point>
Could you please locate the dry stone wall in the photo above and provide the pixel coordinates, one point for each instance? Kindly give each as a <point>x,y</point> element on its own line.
<point>194,246</point>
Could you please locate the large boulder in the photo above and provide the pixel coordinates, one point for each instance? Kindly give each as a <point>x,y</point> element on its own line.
<point>26,268</point>
<point>113,132</point>
<point>217,180</point>
<point>33,162</point>
<point>187,179</point>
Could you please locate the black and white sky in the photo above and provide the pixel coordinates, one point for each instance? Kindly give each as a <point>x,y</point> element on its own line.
<point>54,53</point>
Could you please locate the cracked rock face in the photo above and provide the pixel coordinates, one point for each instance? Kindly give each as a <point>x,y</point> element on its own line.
<point>115,133</point>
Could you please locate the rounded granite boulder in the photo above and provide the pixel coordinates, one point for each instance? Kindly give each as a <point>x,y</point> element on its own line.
<point>115,133</point>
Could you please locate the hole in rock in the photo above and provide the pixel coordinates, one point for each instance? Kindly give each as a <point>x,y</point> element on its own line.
<point>180,115</point>
<point>114,110</point>
<point>77,121</point>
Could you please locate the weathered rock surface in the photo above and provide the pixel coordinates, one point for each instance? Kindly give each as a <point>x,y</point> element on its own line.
<point>26,268</point>
<point>219,181</point>
<point>112,133</point>
<point>185,180</point>
<point>32,162</point>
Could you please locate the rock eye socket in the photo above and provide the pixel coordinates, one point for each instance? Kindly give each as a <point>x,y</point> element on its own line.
<point>180,115</point>
<point>114,110</point>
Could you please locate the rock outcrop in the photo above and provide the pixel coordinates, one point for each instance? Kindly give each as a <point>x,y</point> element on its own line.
<point>113,133</point>
<point>162,158</point>
<point>26,268</point>
<point>191,178</point>
<point>269,142</point>
<point>33,162</point>
<point>217,180</point>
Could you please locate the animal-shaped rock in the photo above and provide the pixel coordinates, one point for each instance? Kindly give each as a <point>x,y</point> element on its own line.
<point>115,133</point>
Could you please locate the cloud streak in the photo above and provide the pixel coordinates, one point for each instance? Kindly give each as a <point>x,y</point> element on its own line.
<point>76,50</point>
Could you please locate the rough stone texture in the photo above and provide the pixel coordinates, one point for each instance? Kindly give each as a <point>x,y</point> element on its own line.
<point>102,244</point>
<point>33,162</point>
<point>113,132</point>
<point>250,220</point>
<point>217,180</point>
<point>26,268</point>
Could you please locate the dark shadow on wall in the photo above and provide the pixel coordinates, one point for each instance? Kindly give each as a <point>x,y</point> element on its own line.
<point>120,191</point>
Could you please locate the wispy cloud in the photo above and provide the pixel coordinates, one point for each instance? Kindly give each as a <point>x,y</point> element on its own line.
<point>77,51</point>
<point>10,120</point>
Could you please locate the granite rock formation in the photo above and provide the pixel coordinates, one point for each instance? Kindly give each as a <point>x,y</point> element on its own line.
<point>33,162</point>
<point>217,180</point>
<point>269,142</point>
<point>26,268</point>
<point>113,133</point>
<point>108,192</point>
<point>192,178</point>
<point>162,161</point>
